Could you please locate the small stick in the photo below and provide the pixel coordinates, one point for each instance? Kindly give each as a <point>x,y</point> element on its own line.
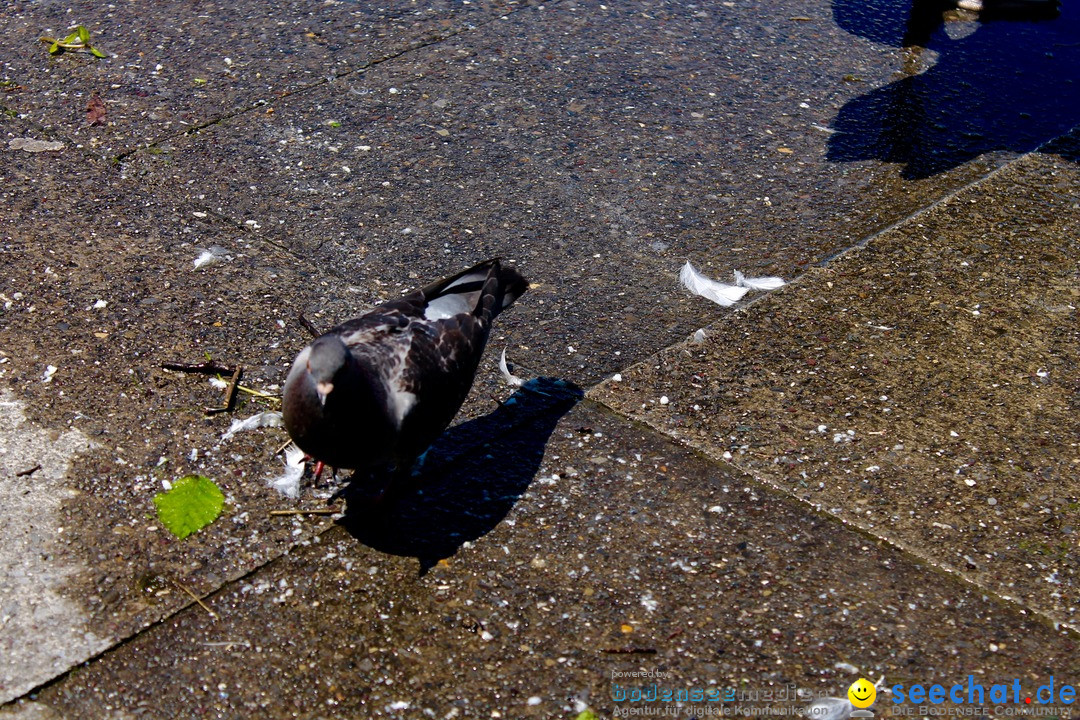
<point>258,394</point>
<point>317,511</point>
<point>308,325</point>
<point>196,599</point>
<point>630,651</point>
<point>206,368</point>
<point>28,471</point>
<point>234,383</point>
<point>230,393</point>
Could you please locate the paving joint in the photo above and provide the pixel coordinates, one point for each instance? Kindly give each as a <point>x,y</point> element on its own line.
<point>764,483</point>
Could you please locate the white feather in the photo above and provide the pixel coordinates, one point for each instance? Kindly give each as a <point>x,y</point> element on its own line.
<point>765,283</point>
<point>401,400</point>
<point>511,380</point>
<point>447,306</point>
<point>215,254</point>
<point>452,303</point>
<point>288,483</point>
<point>270,418</point>
<point>719,293</point>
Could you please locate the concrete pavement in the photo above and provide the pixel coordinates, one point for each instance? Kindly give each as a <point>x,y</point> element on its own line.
<point>339,155</point>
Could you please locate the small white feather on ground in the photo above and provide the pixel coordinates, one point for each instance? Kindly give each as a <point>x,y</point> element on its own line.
<point>288,483</point>
<point>511,380</point>
<point>719,293</point>
<point>270,418</point>
<point>214,254</point>
<point>765,283</point>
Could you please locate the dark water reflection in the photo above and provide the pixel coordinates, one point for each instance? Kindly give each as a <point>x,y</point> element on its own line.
<point>1000,84</point>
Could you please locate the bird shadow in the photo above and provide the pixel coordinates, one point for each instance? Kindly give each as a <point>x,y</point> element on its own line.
<point>1003,83</point>
<point>469,480</point>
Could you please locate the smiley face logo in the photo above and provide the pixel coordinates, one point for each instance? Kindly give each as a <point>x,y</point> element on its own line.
<point>862,693</point>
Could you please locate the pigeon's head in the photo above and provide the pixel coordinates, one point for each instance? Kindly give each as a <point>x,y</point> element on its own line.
<point>327,357</point>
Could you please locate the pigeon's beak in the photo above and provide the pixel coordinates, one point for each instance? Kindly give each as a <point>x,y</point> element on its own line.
<point>323,389</point>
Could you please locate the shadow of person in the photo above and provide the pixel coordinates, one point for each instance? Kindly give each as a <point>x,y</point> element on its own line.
<point>468,480</point>
<point>1002,86</point>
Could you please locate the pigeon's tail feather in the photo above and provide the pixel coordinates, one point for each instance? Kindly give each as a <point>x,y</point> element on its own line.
<point>502,287</point>
<point>487,288</point>
<point>511,286</point>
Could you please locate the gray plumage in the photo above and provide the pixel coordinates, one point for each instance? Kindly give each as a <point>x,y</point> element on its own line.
<point>379,389</point>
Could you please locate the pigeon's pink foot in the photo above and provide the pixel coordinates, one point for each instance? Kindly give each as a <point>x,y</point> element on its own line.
<point>317,469</point>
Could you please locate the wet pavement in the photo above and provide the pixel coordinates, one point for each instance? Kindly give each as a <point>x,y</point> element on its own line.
<point>626,551</point>
<point>884,403</point>
<point>872,471</point>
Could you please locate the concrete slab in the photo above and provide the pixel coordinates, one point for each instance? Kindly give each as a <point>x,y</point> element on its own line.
<point>173,66</point>
<point>99,278</point>
<point>596,146</point>
<point>627,553</point>
<point>921,387</point>
<point>101,286</point>
<point>33,466</point>
<point>599,146</point>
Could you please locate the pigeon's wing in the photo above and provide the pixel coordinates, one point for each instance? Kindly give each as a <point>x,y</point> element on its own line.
<point>436,376</point>
<point>427,346</point>
<point>381,341</point>
<point>483,290</point>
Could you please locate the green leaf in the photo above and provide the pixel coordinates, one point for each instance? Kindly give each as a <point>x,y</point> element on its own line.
<point>97,53</point>
<point>84,34</point>
<point>70,39</point>
<point>54,48</point>
<point>587,715</point>
<point>193,503</point>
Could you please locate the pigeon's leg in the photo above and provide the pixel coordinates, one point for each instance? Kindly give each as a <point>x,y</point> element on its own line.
<point>317,470</point>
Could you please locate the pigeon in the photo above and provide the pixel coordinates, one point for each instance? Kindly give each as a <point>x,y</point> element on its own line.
<point>376,391</point>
